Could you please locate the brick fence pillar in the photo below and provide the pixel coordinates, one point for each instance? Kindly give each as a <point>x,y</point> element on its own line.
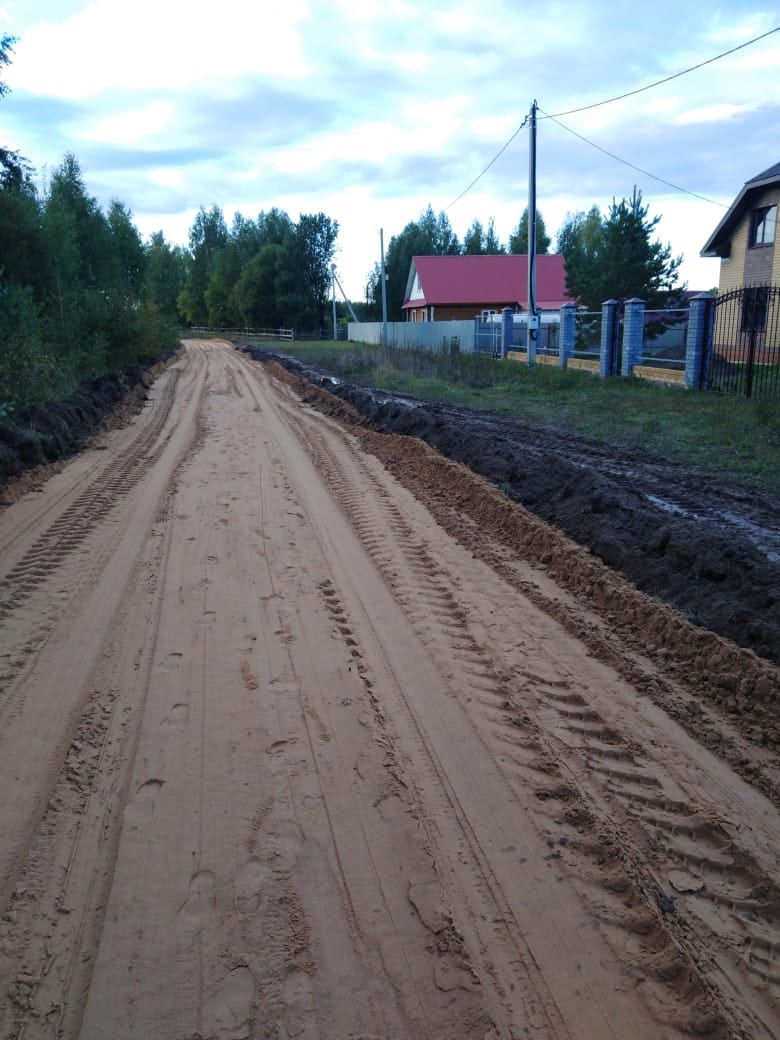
<point>699,338</point>
<point>633,335</point>
<point>567,334</point>
<point>608,319</point>
<point>507,331</point>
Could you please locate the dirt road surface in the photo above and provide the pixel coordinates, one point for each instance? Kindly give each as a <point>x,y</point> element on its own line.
<point>281,756</point>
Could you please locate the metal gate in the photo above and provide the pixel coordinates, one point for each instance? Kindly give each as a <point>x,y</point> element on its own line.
<point>488,338</point>
<point>744,356</point>
<point>615,355</point>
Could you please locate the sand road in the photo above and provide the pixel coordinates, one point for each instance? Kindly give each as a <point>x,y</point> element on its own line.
<point>280,757</point>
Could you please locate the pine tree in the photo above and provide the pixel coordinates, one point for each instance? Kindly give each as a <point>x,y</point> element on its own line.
<point>615,257</point>
<point>518,240</point>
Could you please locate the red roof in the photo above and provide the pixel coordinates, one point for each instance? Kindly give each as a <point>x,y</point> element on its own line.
<point>488,280</point>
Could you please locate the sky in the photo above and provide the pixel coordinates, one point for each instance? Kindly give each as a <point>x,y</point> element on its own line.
<point>368,110</point>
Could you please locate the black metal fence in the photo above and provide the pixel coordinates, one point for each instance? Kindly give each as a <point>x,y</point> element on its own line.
<point>744,357</point>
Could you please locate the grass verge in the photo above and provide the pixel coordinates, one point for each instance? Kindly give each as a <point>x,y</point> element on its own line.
<point>728,435</point>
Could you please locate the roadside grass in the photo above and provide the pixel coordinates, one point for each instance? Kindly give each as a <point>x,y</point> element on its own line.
<point>725,435</point>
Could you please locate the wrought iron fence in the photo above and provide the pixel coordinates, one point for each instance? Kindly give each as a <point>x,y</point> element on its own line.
<point>744,356</point>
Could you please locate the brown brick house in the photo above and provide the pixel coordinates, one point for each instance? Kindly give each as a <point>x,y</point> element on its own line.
<point>745,240</point>
<point>747,319</point>
<point>451,288</point>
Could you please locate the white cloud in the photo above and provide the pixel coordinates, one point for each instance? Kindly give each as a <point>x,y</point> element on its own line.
<point>368,11</point>
<point>175,226</point>
<point>166,177</point>
<point>160,44</point>
<point>730,29</point>
<point>712,113</point>
<point>411,61</point>
<point>136,128</point>
<point>464,20</point>
<point>371,138</point>
<point>687,224</point>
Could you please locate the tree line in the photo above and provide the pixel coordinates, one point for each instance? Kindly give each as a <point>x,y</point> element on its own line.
<point>610,254</point>
<point>82,294</point>
<point>75,297</point>
<point>266,273</point>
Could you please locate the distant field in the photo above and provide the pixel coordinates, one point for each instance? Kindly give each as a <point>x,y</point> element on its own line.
<point>722,434</point>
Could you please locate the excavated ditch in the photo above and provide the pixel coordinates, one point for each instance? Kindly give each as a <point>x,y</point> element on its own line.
<point>707,548</point>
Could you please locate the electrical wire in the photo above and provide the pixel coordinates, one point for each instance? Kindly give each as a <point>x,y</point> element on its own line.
<point>495,157</point>
<point>608,101</point>
<point>625,162</point>
<point>666,79</point>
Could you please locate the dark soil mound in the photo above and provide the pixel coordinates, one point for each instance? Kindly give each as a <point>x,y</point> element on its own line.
<point>711,550</point>
<point>44,433</point>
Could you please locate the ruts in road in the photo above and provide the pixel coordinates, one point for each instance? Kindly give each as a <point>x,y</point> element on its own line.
<point>280,757</point>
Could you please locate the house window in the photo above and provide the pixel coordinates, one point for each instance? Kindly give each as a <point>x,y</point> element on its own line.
<point>762,226</point>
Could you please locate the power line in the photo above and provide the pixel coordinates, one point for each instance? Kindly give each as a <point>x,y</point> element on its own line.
<point>608,101</point>
<point>625,162</point>
<point>495,157</point>
<point>666,79</point>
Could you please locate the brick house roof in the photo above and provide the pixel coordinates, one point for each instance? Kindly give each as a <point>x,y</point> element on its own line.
<point>486,281</point>
<point>717,243</point>
<point>773,173</point>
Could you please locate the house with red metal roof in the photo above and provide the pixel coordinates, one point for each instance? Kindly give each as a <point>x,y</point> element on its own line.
<point>449,288</point>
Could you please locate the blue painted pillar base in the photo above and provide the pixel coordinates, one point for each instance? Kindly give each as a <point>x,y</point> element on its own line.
<point>633,335</point>
<point>699,340</point>
<point>567,334</point>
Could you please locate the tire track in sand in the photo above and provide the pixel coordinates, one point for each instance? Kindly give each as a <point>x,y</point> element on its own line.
<point>730,902</point>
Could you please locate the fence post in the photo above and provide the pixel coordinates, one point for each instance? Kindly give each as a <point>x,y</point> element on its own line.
<point>633,335</point>
<point>568,333</point>
<point>608,319</point>
<point>698,339</point>
<point>507,331</point>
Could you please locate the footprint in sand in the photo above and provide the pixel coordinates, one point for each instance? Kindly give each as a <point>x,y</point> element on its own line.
<point>176,718</point>
<point>228,1011</point>
<point>140,809</point>
<point>299,1016</point>
<point>250,881</point>
<point>282,846</point>
<point>200,903</point>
